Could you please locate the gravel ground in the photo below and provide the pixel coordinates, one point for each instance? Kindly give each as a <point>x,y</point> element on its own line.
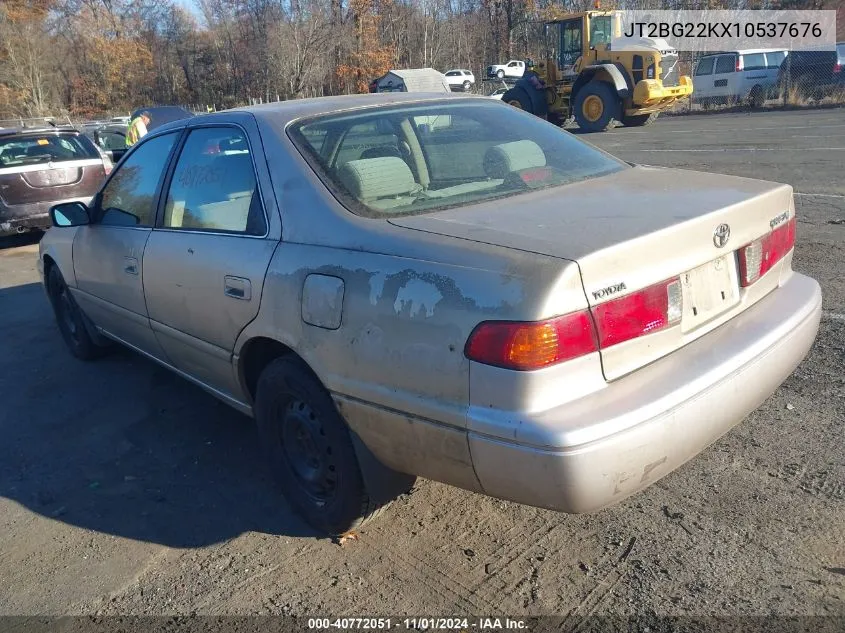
<point>125,490</point>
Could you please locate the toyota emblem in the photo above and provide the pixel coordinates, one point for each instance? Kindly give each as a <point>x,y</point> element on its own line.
<point>721,235</point>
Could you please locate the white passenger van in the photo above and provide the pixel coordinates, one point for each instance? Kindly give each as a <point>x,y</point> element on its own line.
<point>744,76</point>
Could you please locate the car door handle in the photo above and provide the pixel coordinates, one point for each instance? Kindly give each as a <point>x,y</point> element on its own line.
<point>130,265</point>
<point>237,287</point>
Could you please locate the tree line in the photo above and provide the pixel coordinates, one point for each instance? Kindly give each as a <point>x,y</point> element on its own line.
<point>88,58</point>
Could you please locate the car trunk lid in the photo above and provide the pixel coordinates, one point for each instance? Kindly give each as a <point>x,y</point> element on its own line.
<point>50,181</point>
<point>630,231</point>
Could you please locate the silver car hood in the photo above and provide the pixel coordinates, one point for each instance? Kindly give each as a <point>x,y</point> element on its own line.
<point>576,220</point>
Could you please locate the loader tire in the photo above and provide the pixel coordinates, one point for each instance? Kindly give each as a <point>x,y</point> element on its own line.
<point>518,98</point>
<point>597,106</point>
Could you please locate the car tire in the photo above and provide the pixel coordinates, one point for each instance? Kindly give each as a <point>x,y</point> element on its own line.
<point>310,450</point>
<point>467,85</point>
<point>597,106</point>
<point>756,97</point>
<point>518,98</point>
<point>500,74</point>
<point>639,120</point>
<point>70,319</point>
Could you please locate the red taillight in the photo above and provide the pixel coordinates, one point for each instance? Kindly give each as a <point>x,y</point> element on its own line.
<point>738,63</point>
<point>643,312</point>
<point>837,68</point>
<point>532,345</point>
<point>759,257</point>
<point>107,167</point>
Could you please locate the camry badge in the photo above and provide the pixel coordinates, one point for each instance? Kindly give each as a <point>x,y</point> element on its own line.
<point>721,235</point>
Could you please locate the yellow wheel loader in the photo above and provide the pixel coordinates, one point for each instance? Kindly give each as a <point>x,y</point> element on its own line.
<point>595,83</point>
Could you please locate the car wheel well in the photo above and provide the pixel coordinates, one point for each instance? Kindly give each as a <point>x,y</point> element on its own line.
<point>256,354</point>
<point>49,262</point>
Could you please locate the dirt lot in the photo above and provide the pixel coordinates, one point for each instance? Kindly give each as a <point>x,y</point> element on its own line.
<point>123,489</point>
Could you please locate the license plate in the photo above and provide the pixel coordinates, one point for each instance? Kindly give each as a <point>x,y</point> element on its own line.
<point>708,291</point>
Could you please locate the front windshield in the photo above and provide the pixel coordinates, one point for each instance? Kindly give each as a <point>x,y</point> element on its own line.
<point>410,159</point>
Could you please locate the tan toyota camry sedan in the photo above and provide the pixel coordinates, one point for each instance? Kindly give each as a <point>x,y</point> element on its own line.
<point>447,287</point>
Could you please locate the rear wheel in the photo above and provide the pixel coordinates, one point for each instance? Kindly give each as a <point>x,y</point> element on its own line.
<point>310,449</point>
<point>500,74</point>
<point>639,120</point>
<point>467,85</point>
<point>597,106</point>
<point>518,98</point>
<point>756,97</point>
<point>70,319</point>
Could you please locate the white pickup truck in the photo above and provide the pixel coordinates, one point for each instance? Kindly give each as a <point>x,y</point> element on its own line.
<point>514,68</point>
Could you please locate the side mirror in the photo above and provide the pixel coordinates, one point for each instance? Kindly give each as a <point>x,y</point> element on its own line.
<point>69,214</point>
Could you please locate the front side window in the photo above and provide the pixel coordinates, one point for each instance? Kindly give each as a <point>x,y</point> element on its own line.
<point>112,140</point>
<point>445,155</point>
<point>705,66</point>
<point>129,197</point>
<point>725,64</point>
<point>600,30</point>
<point>214,185</point>
<point>570,42</point>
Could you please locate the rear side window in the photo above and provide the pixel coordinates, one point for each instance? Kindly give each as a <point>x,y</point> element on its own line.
<point>840,51</point>
<point>705,66</point>
<point>774,60</point>
<point>754,61</point>
<point>16,151</point>
<point>214,186</point>
<point>725,64</point>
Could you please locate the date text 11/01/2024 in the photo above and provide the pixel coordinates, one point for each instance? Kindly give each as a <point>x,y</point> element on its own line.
<point>418,624</point>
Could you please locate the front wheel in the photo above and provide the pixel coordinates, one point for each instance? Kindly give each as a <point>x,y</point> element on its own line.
<point>757,97</point>
<point>597,106</point>
<point>70,319</point>
<point>639,120</point>
<point>310,450</point>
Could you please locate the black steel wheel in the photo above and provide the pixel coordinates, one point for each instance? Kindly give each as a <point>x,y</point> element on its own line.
<point>310,449</point>
<point>70,319</point>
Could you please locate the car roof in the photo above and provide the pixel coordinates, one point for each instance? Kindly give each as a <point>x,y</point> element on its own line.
<point>23,131</point>
<point>284,112</point>
<point>746,51</point>
<point>281,113</point>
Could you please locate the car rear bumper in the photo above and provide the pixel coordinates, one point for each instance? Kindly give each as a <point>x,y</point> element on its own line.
<point>19,218</point>
<point>597,452</point>
<point>23,217</point>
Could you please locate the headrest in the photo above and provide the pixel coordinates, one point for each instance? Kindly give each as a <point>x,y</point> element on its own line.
<point>500,160</point>
<point>374,178</point>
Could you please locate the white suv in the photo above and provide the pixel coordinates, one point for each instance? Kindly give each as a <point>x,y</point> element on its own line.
<point>460,78</point>
<point>514,68</point>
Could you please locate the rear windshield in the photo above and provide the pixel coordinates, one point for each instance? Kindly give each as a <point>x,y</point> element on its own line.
<point>409,159</point>
<point>16,151</point>
<point>840,50</point>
